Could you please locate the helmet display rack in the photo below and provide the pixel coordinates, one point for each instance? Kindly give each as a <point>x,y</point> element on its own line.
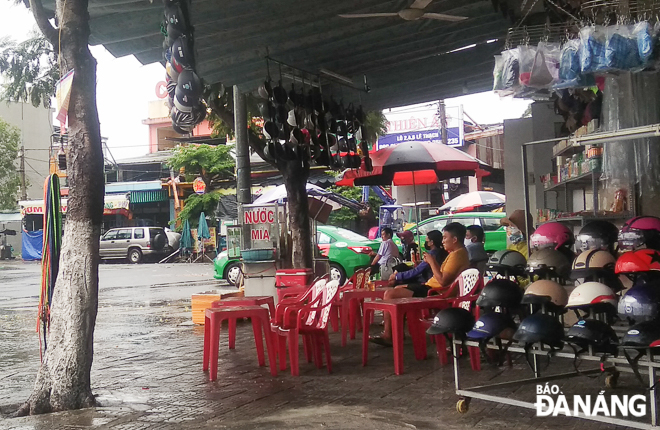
<point>611,366</point>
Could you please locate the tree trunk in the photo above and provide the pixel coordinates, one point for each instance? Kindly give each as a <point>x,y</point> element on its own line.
<point>63,380</point>
<point>295,180</point>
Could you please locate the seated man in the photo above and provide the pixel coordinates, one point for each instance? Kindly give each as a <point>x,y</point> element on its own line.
<point>409,250</point>
<point>422,272</point>
<point>474,243</point>
<point>444,275</point>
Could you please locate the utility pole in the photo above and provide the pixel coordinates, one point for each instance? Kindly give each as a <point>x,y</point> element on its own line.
<point>243,181</point>
<point>21,172</point>
<point>443,121</point>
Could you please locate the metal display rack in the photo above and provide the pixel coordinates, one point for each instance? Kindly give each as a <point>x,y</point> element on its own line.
<point>647,366</point>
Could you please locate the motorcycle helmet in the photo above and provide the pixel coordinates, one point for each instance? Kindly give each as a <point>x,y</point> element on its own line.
<point>549,263</point>
<point>188,91</point>
<point>640,303</point>
<point>643,335</point>
<point>500,292</point>
<point>507,262</point>
<point>642,260</point>
<point>597,334</point>
<point>597,235</point>
<point>492,324</point>
<point>182,55</point>
<point>593,296</point>
<point>593,263</point>
<point>183,120</point>
<point>540,328</point>
<point>552,235</point>
<point>457,321</point>
<point>545,292</point>
<point>642,231</point>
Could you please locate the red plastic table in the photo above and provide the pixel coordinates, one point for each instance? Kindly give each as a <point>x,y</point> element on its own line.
<point>349,309</point>
<point>398,308</point>
<point>243,301</point>
<point>260,326</point>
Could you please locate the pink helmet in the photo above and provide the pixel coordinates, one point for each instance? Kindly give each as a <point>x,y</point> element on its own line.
<point>552,235</point>
<point>640,231</point>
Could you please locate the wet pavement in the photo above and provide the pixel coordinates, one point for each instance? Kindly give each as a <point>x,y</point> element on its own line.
<point>147,370</point>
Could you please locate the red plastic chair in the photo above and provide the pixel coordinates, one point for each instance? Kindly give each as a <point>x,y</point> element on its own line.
<point>312,323</point>
<point>286,306</point>
<point>358,281</point>
<point>468,285</point>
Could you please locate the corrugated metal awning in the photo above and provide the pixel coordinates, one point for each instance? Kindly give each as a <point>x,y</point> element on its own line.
<point>150,196</point>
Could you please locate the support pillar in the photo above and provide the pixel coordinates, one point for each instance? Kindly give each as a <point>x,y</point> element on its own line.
<point>243,182</point>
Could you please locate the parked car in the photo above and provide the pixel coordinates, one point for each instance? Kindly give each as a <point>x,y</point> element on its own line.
<point>495,234</point>
<point>134,243</point>
<point>346,250</point>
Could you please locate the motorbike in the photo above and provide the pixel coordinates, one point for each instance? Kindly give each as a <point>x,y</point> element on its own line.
<point>5,249</point>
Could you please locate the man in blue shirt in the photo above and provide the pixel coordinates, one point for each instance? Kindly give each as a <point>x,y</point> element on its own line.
<point>422,272</point>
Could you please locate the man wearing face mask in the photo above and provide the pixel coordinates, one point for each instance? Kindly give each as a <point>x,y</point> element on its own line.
<point>474,243</point>
<point>422,272</point>
<point>515,227</point>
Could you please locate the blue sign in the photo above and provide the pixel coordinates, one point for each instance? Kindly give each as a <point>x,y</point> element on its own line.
<point>454,137</point>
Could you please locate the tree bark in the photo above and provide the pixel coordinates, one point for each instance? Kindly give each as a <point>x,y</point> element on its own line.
<point>63,380</point>
<point>295,176</point>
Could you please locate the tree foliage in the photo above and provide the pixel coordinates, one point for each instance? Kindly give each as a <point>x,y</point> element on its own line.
<point>10,139</point>
<point>211,163</point>
<point>30,70</point>
<point>196,204</point>
<point>375,125</point>
<point>347,218</point>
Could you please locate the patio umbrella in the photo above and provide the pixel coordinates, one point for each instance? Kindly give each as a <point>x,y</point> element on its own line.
<point>203,228</point>
<point>186,236</point>
<point>337,201</point>
<point>417,163</point>
<point>469,201</point>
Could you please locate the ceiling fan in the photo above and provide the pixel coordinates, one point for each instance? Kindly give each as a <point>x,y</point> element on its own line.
<point>413,13</point>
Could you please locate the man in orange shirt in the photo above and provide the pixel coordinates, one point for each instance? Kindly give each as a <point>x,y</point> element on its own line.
<point>453,236</point>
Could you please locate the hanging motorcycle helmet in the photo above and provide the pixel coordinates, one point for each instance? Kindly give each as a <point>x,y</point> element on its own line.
<point>173,33</point>
<point>456,321</point>
<point>198,113</point>
<point>188,91</point>
<point>640,303</point>
<point>642,260</point>
<point>593,296</point>
<point>182,54</point>
<point>547,293</point>
<point>553,235</point>
<point>597,235</point>
<point>171,72</point>
<point>597,334</point>
<point>507,262</point>
<point>500,292</point>
<point>638,232</point>
<point>643,335</point>
<point>183,120</point>
<point>549,263</point>
<point>270,130</point>
<point>593,263</point>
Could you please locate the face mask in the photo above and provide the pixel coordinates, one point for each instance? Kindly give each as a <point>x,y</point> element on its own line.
<point>514,235</point>
<point>467,242</point>
<point>427,246</point>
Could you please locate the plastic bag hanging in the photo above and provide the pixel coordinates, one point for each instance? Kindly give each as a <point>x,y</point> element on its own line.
<point>498,71</point>
<point>510,70</point>
<point>592,49</point>
<point>621,51</point>
<point>545,68</point>
<point>527,55</point>
<point>644,34</point>
<point>569,64</point>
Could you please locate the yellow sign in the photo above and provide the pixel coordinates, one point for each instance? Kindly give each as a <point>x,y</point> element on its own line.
<point>199,186</point>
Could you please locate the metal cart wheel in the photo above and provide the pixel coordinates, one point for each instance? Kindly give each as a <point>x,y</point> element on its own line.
<point>463,405</point>
<point>612,380</point>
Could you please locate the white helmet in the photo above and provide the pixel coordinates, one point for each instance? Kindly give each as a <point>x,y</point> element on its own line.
<point>592,295</point>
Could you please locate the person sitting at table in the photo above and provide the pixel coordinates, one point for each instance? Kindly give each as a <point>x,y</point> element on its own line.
<point>387,253</point>
<point>422,272</point>
<point>444,275</point>
<point>474,243</point>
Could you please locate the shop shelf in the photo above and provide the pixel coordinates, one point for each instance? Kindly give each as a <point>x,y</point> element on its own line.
<point>577,181</point>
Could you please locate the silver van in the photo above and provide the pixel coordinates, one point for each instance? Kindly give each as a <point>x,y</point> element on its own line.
<point>133,243</point>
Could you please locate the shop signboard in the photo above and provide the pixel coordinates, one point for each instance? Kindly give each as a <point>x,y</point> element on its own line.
<point>260,226</point>
<point>199,186</point>
<point>112,204</point>
<point>422,124</point>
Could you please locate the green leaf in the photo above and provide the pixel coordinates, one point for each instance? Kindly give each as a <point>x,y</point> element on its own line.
<point>10,139</point>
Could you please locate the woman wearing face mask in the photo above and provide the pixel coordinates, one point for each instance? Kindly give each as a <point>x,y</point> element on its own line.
<point>422,272</point>
<point>515,227</point>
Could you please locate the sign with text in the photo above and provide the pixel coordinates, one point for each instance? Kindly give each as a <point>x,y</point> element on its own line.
<point>422,125</point>
<point>260,226</point>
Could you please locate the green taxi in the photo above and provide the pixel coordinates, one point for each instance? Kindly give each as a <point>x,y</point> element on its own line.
<point>495,234</point>
<point>346,250</point>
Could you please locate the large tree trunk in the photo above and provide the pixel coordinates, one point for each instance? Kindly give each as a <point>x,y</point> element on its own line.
<point>63,380</point>
<point>295,180</point>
